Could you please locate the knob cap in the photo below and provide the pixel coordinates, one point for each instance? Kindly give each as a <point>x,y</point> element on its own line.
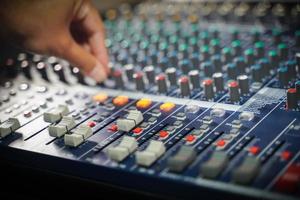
<point>243,81</point>
<point>117,75</point>
<point>216,62</point>
<point>219,81</point>
<point>256,72</point>
<point>292,100</point>
<point>41,67</point>
<point>283,76</point>
<point>231,71</point>
<point>207,68</point>
<point>234,95</point>
<point>171,74</point>
<point>150,74</point>
<point>185,66</point>
<point>129,70</point>
<point>195,79</point>
<point>59,70</point>
<point>161,83</point>
<point>139,81</point>
<point>208,88</point>
<point>241,64</point>
<point>265,66</point>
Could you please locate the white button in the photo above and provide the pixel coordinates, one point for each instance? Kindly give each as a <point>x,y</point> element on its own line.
<point>246,116</point>
<point>191,109</point>
<point>27,113</point>
<point>16,106</point>
<point>217,112</point>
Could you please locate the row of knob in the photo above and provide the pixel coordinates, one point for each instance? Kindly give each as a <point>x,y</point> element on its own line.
<point>168,80</point>
<point>189,53</point>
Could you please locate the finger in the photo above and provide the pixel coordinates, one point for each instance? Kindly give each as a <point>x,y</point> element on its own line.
<point>93,27</point>
<point>69,50</point>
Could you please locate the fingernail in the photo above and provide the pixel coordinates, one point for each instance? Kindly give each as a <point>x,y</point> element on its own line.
<point>98,73</point>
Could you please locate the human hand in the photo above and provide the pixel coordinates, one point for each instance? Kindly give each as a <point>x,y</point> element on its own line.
<point>69,29</point>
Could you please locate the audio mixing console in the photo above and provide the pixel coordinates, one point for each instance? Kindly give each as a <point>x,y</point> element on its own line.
<point>203,101</point>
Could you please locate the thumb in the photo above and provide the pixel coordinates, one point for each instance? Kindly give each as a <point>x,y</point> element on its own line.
<point>78,56</point>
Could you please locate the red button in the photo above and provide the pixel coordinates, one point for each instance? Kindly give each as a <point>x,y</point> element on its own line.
<point>163,134</point>
<point>286,155</point>
<point>221,143</point>
<point>292,90</point>
<point>117,73</point>
<point>160,77</point>
<point>137,130</point>
<point>233,84</point>
<point>184,79</point>
<point>91,124</point>
<point>190,138</point>
<point>254,150</point>
<point>138,75</point>
<point>207,82</point>
<point>113,128</point>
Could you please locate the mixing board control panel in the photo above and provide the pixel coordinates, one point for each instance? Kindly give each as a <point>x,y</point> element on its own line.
<point>203,99</point>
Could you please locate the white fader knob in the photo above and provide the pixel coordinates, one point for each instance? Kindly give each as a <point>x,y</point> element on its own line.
<point>122,150</point>
<point>78,136</point>
<point>56,114</point>
<point>9,126</point>
<point>62,127</point>
<point>133,118</point>
<point>154,150</point>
